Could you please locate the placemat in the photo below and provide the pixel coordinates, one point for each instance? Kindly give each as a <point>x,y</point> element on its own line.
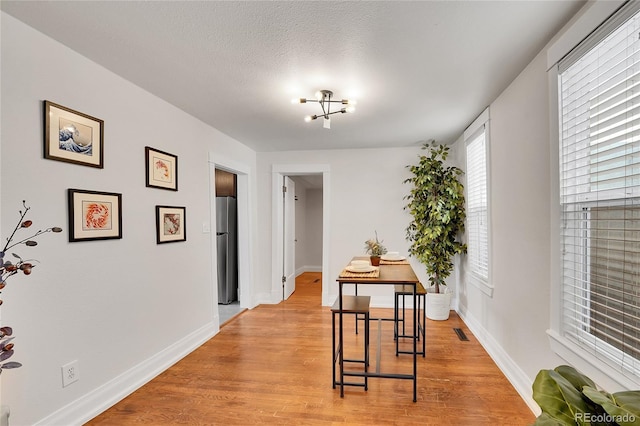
<point>349,274</point>
<point>394,262</point>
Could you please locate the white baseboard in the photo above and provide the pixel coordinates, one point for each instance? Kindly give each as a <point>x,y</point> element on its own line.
<point>519,380</point>
<point>307,268</point>
<point>95,402</point>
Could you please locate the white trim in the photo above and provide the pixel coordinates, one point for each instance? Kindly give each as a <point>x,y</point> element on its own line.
<point>584,22</point>
<point>482,124</point>
<point>97,401</point>
<point>484,287</point>
<point>276,238</point>
<point>326,232</point>
<point>245,229</point>
<point>278,171</point>
<point>555,263</point>
<point>308,268</point>
<point>300,169</point>
<point>479,122</point>
<point>518,378</point>
<point>228,164</point>
<point>608,378</point>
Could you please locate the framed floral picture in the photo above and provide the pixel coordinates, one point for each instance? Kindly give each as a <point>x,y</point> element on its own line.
<point>72,136</point>
<point>161,169</point>
<point>171,224</point>
<point>94,215</point>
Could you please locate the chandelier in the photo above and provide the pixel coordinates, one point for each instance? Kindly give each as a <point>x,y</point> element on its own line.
<point>323,97</point>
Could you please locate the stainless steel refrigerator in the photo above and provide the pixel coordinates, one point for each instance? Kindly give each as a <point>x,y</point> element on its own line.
<point>226,239</point>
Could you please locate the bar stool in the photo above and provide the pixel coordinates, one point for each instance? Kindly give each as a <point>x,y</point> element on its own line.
<point>400,291</point>
<point>357,305</point>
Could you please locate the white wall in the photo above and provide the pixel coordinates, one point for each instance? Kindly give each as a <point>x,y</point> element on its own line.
<point>514,321</point>
<point>366,194</point>
<point>125,308</point>
<point>314,228</point>
<point>300,224</point>
<point>115,305</point>
<point>513,324</point>
<point>308,227</point>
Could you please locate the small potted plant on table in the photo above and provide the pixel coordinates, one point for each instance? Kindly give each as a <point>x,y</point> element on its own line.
<point>375,249</point>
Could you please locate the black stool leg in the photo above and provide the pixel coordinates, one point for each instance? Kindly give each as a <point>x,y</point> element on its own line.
<point>366,350</point>
<point>333,347</point>
<point>424,325</point>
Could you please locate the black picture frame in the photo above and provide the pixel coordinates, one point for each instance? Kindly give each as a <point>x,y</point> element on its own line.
<point>72,136</point>
<point>94,215</point>
<point>161,169</point>
<point>171,224</point>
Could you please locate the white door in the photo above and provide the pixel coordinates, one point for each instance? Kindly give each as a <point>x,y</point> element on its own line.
<point>289,235</point>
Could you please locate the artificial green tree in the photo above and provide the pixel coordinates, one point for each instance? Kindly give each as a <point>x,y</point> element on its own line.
<point>436,202</point>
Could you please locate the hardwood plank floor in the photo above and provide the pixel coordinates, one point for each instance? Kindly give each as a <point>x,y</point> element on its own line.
<point>272,365</point>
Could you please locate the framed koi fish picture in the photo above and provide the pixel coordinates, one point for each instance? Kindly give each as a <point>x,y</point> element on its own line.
<point>94,215</point>
<point>72,136</point>
<point>171,224</point>
<point>161,169</point>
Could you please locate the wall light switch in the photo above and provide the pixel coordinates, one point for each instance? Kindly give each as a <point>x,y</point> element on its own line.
<point>206,228</point>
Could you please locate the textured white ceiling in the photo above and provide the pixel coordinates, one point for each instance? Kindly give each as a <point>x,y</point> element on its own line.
<point>419,70</point>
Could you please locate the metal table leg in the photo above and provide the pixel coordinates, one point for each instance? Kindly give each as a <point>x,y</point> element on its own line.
<point>341,341</point>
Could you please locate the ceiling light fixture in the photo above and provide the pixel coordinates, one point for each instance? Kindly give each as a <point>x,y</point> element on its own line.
<point>323,97</point>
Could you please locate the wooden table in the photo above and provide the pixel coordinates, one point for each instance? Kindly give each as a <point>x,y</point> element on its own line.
<point>390,274</point>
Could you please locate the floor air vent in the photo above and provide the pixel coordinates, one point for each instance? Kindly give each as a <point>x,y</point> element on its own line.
<point>461,334</point>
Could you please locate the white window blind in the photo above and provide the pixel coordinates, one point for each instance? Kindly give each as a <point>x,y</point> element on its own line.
<point>477,211</point>
<point>600,196</point>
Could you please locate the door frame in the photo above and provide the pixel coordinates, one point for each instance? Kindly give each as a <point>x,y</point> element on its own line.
<point>289,232</point>
<point>279,171</point>
<point>245,231</point>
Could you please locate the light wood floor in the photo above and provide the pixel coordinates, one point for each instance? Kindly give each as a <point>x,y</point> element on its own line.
<point>272,365</point>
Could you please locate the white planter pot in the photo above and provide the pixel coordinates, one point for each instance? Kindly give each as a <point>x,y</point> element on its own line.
<point>438,306</point>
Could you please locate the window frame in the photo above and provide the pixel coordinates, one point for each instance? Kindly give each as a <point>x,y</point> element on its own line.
<point>480,125</point>
<point>590,22</point>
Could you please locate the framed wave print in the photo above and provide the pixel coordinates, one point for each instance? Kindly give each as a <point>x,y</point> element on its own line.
<point>94,215</point>
<point>72,136</point>
<point>161,169</point>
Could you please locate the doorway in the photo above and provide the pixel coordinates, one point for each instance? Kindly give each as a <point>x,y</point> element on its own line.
<point>302,228</point>
<point>226,231</point>
<point>242,174</point>
<point>320,176</point>
<point>289,239</point>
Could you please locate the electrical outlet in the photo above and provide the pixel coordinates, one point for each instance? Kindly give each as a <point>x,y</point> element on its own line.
<point>70,373</point>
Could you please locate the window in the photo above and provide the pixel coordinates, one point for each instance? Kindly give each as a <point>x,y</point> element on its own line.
<point>600,194</point>
<point>476,140</point>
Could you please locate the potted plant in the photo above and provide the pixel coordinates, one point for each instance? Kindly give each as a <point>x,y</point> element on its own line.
<point>436,203</point>
<point>375,249</point>
<point>568,397</point>
<point>9,269</point>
